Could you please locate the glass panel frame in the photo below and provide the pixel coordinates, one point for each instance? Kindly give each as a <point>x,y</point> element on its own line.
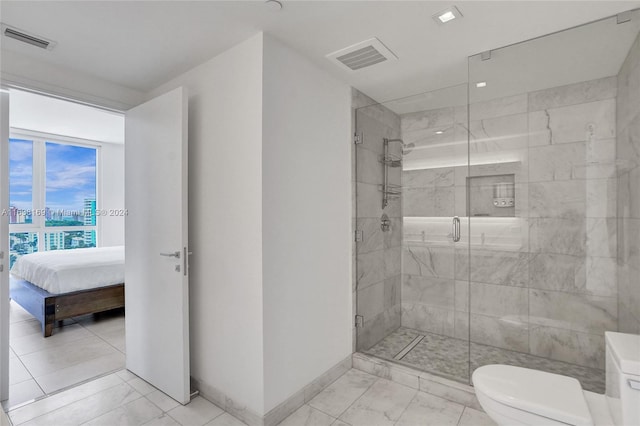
<point>410,298</point>
<point>543,282</point>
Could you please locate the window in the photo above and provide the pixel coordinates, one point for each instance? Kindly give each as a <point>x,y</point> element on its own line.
<point>52,195</point>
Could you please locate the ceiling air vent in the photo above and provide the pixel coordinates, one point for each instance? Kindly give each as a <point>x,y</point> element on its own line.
<point>25,37</point>
<point>362,55</point>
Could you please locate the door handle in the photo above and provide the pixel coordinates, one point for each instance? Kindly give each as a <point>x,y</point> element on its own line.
<point>175,254</point>
<point>456,229</point>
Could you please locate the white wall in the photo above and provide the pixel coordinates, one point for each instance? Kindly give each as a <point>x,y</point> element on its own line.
<point>225,221</point>
<point>270,209</point>
<point>111,181</point>
<point>306,220</point>
<point>59,117</point>
<point>21,71</point>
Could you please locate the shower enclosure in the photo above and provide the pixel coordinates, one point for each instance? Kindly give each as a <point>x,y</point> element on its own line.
<point>501,225</point>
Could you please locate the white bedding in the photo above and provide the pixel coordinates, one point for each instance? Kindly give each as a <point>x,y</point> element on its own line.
<point>64,271</point>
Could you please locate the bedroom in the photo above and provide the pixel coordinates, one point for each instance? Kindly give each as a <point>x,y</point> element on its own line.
<point>66,176</point>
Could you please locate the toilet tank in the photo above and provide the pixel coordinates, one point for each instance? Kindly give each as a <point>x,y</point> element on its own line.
<point>623,377</point>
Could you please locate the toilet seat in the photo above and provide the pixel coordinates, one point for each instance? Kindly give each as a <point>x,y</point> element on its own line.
<point>547,395</point>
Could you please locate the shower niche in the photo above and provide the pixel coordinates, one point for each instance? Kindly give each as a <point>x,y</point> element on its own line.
<point>491,196</point>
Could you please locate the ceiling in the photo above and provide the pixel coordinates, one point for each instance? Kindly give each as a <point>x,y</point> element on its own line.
<point>142,44</point>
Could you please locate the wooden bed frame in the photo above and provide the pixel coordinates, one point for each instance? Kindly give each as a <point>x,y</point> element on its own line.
<point>49,308</point>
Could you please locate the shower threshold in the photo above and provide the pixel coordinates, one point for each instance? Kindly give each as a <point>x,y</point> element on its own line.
<point>448,357</point>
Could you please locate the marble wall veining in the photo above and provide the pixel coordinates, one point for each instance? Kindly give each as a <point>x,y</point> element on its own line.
<point>546,279</point>
<point>542,282</point>
<point>628,160</point>
<point>378,256</point>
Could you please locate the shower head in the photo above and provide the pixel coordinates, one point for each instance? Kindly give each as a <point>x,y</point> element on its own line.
<point>406,148</point>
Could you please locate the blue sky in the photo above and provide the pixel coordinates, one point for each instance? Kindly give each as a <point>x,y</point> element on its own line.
<point>70,175</point>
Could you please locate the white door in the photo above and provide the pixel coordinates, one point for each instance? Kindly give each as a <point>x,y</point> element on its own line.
<point>156,245</point>
<point>4,246</point>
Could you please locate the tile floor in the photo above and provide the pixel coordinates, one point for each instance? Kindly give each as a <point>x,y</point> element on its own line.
<point>356,399</point>
<point>84,348</point>
<point>449,357</point>
<point>360,399</point>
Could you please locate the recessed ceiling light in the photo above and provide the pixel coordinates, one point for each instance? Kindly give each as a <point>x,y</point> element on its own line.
<point>439,132</point>
<point>481,84</point>
<point>447,15</point>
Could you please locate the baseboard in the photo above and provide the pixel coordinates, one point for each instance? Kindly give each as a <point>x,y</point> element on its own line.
<point>283,410</point>
<point>416,379</point>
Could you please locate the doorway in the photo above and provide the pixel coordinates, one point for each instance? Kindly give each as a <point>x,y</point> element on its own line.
<point>65,168</point>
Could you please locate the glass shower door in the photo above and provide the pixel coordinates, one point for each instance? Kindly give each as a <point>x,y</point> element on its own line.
<point>412,285</point>
<point>543,179</point>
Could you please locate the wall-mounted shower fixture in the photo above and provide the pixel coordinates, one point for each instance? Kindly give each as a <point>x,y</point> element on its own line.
<point>388,160</point>
<point>385,222</point>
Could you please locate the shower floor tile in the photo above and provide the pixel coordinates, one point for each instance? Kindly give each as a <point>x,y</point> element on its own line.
<point>394,343</point>
<point>448,357</point>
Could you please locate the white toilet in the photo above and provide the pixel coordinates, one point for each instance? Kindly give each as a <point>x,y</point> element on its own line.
<point>521,396</point>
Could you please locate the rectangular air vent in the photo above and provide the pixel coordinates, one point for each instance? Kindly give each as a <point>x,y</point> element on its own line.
<point>25,37</point>
<point>362,55</point>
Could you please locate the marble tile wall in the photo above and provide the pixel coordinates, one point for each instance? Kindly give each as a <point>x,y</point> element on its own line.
<point>431,194</point>
<point>377,258</point>
<point>542,282</point>
<point>628,156</point>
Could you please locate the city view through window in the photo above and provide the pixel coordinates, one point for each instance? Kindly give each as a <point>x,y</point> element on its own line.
<point>52,196</point>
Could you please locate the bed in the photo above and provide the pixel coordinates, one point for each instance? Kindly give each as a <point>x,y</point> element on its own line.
<point>56,285</point>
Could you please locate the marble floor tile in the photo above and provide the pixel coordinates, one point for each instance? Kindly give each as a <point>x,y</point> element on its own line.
<point>471,417</point>
<point>141,386</point>
<point>81,372</point>
<point>61,337</point>
<point>338,396</point>
<point>225,419</point>
<point>88,408</point>
<point>308,416</point>
<point>103,322</point>
<point>163,420</point>
<point>24,328</point>
<point>430,410</point>
<point>22,392</point>
<point>115,338</point>
<point>393,344</point>
<point>17,372</point>
<point>17,313</point>
<point>136,412</point>
<point>197,413</point>
<point>111,401</point>
<point>449,357</point>
<point>80,349</point>
<point>59,400</point>
<point>381,405</point>
<point>126,375</point>
<point>164,402</point>
<point>440,355</point>
<point>46,362</point>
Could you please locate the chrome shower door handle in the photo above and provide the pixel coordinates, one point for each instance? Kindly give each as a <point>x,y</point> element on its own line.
<point>456,229</point>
